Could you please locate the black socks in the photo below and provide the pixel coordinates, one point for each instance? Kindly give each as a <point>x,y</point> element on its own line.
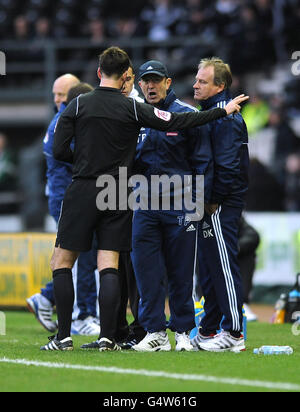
<point>64,300</point>
<point>109,302</point>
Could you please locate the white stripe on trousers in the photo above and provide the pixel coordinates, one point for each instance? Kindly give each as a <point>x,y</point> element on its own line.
<point>195,274</point>
<point>226,270</point>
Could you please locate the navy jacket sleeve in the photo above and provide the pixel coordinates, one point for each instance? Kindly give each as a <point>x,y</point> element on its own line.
<point>227,140</point>
<point>201,157</point>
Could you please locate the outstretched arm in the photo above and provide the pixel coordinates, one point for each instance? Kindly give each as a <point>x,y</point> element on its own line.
<point>148,116</point>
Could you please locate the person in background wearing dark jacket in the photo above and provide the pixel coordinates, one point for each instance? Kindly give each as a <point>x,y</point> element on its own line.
<point>248,243</point>
<point>219,271</point>
<point>164,241</point>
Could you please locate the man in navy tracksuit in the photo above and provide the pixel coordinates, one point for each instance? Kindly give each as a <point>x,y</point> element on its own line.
<point>220,276</point>
<point>164,241</point>
<point>59,177</point>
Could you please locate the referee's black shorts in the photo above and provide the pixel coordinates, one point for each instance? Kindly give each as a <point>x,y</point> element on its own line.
<point>80,219</point>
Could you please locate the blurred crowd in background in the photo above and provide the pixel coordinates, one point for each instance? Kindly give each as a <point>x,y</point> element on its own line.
<point>251,23</point>
<point>257,38</point>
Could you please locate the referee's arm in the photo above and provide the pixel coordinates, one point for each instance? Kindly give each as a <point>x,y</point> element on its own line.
<point>148,116</point>
<point>64,134</point>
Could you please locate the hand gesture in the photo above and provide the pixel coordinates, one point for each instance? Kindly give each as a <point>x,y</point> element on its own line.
<point>234,105</point>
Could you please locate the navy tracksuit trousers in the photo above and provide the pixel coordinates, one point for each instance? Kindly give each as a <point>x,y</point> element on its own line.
<point>219,272</point>
<point>164,243</point>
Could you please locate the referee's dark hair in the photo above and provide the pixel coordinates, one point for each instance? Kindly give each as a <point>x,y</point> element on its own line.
<point>113,62</point>
<point>75,91</point>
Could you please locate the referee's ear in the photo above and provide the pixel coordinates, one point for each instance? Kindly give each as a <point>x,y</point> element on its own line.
<point>99,73</point>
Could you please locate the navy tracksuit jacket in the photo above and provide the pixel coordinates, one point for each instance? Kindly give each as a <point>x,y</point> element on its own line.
<point>59,177</point>
<point>164,241</point>
<point>219,271</point>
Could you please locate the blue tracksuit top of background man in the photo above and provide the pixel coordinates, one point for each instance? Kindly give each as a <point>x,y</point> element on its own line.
<point>182,152</point>
<point>230,151</point>
<point>59,174</point>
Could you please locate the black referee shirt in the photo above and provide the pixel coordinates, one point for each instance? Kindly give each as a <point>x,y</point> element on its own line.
<point>106,126</point>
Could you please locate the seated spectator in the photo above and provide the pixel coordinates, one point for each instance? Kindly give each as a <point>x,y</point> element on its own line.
<point>124,28</point>
<point>195,19</point>
<point>8,170</point>
<point>21,33</point>
<point>264,13</point>
<point>245,47</point>
<point>226,14</point>
<point>96,30</point>
<point>161,17</point>
<point>42,32</point>
<point>21,28</point>
<point>42,28</point>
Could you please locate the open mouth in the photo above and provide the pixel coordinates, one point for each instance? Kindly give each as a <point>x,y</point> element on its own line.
<point>152,95</point>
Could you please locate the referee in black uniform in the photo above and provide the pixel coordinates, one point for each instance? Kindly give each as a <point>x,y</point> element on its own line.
<point>105,125</point>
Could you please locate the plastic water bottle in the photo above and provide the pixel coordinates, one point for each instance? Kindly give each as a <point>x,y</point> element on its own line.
<point>280,308</point>
<point>274,350</point>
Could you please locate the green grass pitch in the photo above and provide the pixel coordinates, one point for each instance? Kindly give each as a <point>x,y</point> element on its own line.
<point>92,371</point>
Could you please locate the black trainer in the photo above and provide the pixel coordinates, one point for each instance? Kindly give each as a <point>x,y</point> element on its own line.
<point>92,345</point>
<point>108,345</point>
<point>130,341</point>
<point>55,344</point>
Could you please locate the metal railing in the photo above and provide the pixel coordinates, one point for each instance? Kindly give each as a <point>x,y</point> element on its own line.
<point>31,67</point>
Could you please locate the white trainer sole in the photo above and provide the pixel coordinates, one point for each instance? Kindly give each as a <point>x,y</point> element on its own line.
<point>165,348</point>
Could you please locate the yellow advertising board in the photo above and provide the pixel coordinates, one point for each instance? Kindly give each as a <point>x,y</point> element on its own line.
<point>24,265</point>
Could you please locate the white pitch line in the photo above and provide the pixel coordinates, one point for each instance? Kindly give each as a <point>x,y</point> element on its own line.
<point>284,386</point>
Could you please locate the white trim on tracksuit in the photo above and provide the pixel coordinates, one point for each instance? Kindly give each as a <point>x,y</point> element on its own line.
<point>232,299</point>
<point>195,297</point>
